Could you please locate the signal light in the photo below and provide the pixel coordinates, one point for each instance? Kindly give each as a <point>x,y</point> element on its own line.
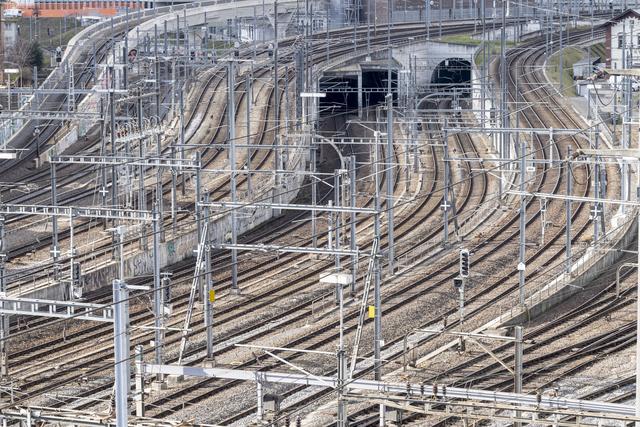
<point>76,276</point>
<point>464,263</point>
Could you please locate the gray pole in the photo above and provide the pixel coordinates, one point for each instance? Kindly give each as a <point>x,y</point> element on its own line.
<point>353,193</point>
<point>103,152</point>
<point>327,33</point>
<point>314,190</point>
<point>483,70</point>
<point>208,308</point>
<point>181,107</point>
<point>121,350</point>
<point>231,121</point>
<point>198,198</point>
<point>504,122</point>
<point>139,397</point>
<point>249,98</point>
<point>377,279</point>
<point>142,202</point>
<point>112,111</point>
<point>54,219</point>
<point>596,189</point>
<point>518,360</point>
<point>637,400</point>
<point>569,178</point>
<point>342,404</point>
<point>445,190</point>
<point>390,180</point>
<point>523,213</point>
<point>276,89</point>
<point>158,297</point>
<point>561,67</point>
<point>4,319</point>
<point>427,15</point>
<point>628,116</point>
<point>461,301</point>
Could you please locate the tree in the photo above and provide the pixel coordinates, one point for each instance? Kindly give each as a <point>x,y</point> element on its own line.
<point>35,57</point>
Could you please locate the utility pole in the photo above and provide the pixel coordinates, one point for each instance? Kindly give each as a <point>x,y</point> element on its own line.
<point>569,178</point>
<point>276,90</point>
<point>504,122</point>
<point>638,315</point>
<point>523,213</point>
<point>445,192</point>
<point>55,250</point>
<point>352,226</point>
<point>561,51</point>
<point>231,121</point>
<point>390,183</point>
<point>518,365</point>
<point>377,340</point>
<point>249,102</point>
<point>158,293</point>
<point>4,319</point>
<point>209,294</point>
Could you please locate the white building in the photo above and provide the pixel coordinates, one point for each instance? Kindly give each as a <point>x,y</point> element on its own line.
<point>622,40</point>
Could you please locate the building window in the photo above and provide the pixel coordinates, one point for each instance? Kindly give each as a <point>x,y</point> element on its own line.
<point>620,40</point>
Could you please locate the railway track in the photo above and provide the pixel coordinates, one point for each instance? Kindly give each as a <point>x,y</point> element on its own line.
<point>547,367</point>
<point>219,191</point>
<point>321,337</point>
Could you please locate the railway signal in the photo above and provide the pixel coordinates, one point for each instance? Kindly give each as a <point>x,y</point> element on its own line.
<point>76,280</point>
<point>464,263</point>
<point>76,276</point>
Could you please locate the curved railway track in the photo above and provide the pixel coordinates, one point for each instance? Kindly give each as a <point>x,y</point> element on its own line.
<point>397,296</point>
<point>524,63</point>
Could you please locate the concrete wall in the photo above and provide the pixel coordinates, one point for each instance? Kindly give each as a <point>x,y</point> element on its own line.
<point>428,55</point>
<point>565,286</point>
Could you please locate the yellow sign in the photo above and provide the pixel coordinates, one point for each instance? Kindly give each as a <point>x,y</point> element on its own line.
<point>212,295</point>
<point>372,312</point>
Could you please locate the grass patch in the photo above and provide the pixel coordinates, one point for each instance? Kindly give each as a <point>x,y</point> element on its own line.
<point>461,39</point>
<point>571,56</point>
<point>598,51</point>
<point>493,47</point>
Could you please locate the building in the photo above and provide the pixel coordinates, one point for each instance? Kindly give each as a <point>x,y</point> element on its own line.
<point>622,38</point>
<point>585,67</point>
<point>60,8</point>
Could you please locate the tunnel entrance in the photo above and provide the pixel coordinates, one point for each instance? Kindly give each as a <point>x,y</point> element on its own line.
<point>452,75</point>
<point>342,90</point>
